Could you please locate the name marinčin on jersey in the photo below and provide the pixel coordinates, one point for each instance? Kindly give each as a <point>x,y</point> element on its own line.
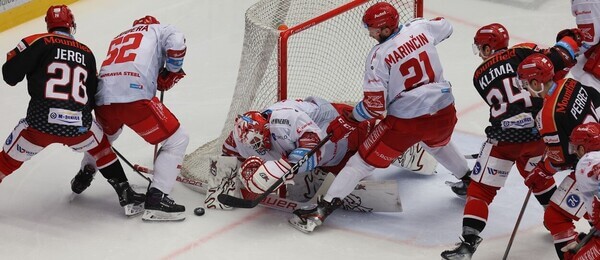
<point>414,43</point>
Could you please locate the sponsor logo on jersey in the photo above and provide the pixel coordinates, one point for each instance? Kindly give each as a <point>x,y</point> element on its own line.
<point>9,139</point>
<point>80,147</point>
<point>65,117</point>
<point>552,139</point>
<point>588,31</point>
<point>20,149</point>
<point>573,201</point>
<point>280,121</point>
<point>136,86</point>
<point>495,172</point>
<point>374,100</point>
<point>300,129</point>
<point>476,168</point>
<point>520,121</point>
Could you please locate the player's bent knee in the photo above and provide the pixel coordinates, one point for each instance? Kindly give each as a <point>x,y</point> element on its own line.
<point>481,191</point>
<point>176,143</point>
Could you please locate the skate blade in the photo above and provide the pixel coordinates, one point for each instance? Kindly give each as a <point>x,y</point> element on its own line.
<point>451,184</point>
<point>157,215</point>
<point>298,224</point>
<point>132,210</point>
<point>72,196</point>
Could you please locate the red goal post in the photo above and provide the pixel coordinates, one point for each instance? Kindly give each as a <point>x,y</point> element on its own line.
<point>322,53</point>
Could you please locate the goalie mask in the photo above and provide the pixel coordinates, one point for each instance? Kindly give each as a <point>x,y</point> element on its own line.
<point>252,129</point>
<point>586,135</point>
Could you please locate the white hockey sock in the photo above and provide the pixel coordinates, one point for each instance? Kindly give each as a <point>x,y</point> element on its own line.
<point>450,157</point>
<point>169,160</point>
<point>355,170</point>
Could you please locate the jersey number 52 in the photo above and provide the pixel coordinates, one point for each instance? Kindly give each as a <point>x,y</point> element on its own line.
<point>122,49</point>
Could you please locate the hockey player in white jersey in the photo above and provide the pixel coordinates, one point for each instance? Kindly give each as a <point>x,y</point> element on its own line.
<point>585,143</point>
<point>403,86</point>
<point>587,17</point>
<point>141,60</point>
<point>268,141</point>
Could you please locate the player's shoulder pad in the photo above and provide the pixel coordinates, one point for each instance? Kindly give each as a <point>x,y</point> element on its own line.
<point>526,45</point>
<point>33,38</point>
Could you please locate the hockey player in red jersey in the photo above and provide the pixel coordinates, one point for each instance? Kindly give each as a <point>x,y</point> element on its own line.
<point>512,135</point>
<point>141,60</point>
<point>567,104</point>
<point>404,86</point>
<point>62,82</point>
<point>585,143</point>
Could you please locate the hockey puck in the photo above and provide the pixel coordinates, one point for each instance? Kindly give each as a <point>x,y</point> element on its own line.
<point>199,211</point>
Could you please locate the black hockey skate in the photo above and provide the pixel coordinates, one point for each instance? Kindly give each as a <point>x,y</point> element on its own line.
<point>306,220</point>
<point>464,250</point>
<point>460,187</point>
<point>131,201</point>
<point>159,207</point>
<point>83,179</point>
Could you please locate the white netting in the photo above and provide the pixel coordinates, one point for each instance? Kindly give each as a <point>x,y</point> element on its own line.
<point>326,60</point>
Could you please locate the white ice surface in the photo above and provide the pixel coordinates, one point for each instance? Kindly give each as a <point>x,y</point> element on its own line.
<point>37,220</point>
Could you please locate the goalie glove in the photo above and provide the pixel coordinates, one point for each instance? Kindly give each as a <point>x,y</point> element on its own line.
<point>167,79</point>
<point>258,175</point>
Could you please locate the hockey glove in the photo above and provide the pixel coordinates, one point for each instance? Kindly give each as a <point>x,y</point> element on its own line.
<point>341,127</point>
<point>266,175</point>
<point>538,177</point>
<point>574,33</point>
<point>167,79</point>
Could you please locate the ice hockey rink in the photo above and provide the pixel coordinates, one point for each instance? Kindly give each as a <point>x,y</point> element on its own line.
<point>38,220</point>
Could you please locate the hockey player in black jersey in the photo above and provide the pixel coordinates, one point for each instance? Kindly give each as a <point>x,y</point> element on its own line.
<point>61,81</point>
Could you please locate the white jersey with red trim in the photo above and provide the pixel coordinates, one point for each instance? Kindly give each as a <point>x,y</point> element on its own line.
<point>587,17</point>
<point>289,120</point>
<point>133,62</point>
<point>586,174</point>
<point>404,75</point>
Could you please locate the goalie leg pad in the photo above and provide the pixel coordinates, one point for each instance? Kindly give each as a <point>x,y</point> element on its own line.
<point>266,175</point>
<point>417,160</point>
<point>223,179</point>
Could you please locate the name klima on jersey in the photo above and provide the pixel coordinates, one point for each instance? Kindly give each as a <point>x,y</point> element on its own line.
<point>493,73</point>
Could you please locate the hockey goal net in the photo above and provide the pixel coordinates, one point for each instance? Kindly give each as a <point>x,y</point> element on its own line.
<point>322,53</point>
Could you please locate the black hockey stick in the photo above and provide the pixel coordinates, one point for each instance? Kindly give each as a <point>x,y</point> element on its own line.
<point>514,232</point>
<point>132,167</point>
<point>243,203</point>
<point>584,241</point>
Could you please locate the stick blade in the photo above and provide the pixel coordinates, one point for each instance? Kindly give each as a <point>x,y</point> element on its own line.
<point>235,201</point>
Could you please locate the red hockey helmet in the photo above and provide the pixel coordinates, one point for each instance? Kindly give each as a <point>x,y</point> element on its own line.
<point>587,135</point>
<point>59,16</point>
<point>536,66</point>
<point>252,129</point>
<point>380,15</point>
<point>148,19</point>
<point>494,35</point>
